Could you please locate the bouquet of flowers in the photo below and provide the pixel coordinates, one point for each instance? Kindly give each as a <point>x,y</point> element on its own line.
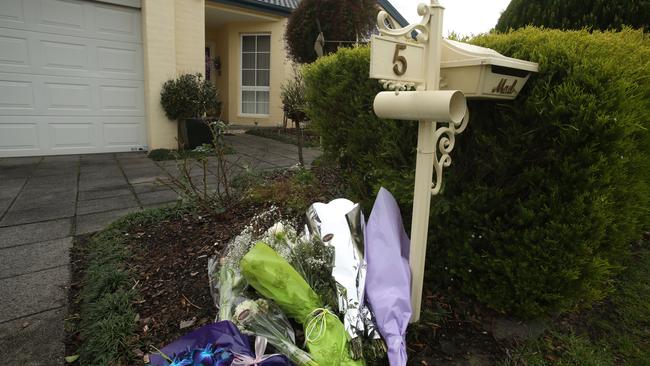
<point>259,317</point>
<point>274,278</point>
<point>227,285</point>
<point>216,344</point>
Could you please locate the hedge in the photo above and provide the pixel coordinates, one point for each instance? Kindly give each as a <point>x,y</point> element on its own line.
<point>545,193</point>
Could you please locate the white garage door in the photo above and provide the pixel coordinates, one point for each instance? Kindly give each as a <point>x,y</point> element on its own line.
<point>71,78</point>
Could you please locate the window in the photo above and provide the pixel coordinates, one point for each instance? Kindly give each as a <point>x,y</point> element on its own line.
<point>255,74</point>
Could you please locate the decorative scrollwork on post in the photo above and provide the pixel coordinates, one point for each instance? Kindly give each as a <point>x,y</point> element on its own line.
<point>446,139</point>
<point>422,27</point>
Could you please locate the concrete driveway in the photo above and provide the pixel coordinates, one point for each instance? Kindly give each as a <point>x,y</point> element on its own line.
<point>46,201</point>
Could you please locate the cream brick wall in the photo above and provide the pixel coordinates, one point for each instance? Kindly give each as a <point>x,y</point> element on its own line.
<point>173,41</point>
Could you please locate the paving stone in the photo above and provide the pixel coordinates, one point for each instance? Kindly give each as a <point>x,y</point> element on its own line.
<point>34,292</point>
<point>106,204</point>
<point>4,205</point>
<point>61,159</point>
<point>107,183</point>
<point>131,155</point>
<point>95,193</point>
<point>29,160</point>
<point>151,198</point>
<point>90,223</point>
<point>17,216</point>
<point>36,340</point>
<point>13,172</point>
<point>34,257</point>
<point>9,188</point>
<point>97,157</point>
<point>145,187</point>
<point>32,233</point>
<point>39,196</point>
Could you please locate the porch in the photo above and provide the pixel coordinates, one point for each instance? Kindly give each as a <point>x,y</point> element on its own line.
<point>246,59</point>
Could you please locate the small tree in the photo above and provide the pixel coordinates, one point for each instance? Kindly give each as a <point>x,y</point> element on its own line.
<point>294,103</point>
<point>576,14</point>
<point>342,22</point>
<point>188,96</point>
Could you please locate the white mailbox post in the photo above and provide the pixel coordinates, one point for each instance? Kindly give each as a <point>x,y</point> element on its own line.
<point>427,64</point>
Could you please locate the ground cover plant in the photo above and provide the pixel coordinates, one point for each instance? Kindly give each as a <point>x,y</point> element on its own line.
<point>545,193</point>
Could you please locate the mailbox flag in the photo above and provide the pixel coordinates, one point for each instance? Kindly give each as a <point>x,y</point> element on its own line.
<point>388,279</point>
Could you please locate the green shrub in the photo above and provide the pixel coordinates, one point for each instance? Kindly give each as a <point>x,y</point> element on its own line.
<point>575,14</point>
<point>545,193</point>
<point>189,96</point>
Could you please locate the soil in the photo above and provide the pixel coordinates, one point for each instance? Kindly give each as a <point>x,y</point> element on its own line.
<point>170,267</point>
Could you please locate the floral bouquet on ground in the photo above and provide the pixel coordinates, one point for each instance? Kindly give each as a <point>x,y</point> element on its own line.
<point>274,278</point>
<point>216,344</point>
<point>260,318</point>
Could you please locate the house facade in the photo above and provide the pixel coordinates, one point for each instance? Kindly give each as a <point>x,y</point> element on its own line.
<point>81,76</point>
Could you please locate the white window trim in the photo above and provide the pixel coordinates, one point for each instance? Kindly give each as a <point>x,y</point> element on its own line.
<point>252,88</point>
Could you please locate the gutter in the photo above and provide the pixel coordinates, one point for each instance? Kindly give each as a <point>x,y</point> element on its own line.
<point>257,5</point>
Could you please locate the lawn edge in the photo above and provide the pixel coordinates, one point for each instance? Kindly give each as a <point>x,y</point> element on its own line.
<point>108,321</point>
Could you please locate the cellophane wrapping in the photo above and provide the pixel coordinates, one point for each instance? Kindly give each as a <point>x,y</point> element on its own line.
<point>274,278</point>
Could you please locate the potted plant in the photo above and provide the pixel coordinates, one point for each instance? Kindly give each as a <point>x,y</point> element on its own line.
<point>189,99</point>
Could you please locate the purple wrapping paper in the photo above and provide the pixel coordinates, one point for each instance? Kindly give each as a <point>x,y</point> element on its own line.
<point>388,279</point>
<point>224,334</point>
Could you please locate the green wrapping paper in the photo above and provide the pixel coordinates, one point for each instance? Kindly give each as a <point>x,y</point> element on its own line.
<point>274,278</point>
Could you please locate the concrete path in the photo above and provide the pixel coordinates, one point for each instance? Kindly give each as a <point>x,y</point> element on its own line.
<point>46,201</point>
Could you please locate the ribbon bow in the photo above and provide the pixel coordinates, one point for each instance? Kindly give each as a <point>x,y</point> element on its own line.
<point>316,325</point>
<point>260,348</point>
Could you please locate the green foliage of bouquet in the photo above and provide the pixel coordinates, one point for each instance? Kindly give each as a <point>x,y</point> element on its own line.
<point>274,278</point>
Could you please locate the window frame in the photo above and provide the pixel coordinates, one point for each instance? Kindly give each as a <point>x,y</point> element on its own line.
<point>248,88</point>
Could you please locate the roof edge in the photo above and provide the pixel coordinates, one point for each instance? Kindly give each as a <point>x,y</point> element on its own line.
<point>256,5</point>
<point>390,9</point>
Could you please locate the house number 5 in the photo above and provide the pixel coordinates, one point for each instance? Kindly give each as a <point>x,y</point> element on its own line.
<point>397,60</point>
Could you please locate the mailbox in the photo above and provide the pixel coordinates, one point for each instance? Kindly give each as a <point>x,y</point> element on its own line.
<point>433,105</point>
<point>482,73</point>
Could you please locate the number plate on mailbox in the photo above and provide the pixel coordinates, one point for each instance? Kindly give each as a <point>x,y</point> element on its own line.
<point>393,59</point>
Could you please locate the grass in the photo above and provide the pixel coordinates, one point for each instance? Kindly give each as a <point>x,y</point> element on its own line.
<point>108,321</point>
<point>278,134</point>
<point>615,332</point>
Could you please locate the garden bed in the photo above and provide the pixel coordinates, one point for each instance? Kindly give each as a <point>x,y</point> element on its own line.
<point>166,254</point>
<point>147,274</point>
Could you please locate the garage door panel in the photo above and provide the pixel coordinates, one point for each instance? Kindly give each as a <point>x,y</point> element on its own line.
<point>12,11</point>
<point>111,22</point>
<point>64,55</point>
<point>67,15</point>
<point>71,135</point>
<point>48,54</point>
<point>116,99</point>
<point>16,95</point>
<point>38,135</point>
<point>19,137</point>
<point>118,135</point>
<point>73,18</point>
<point>68,97</point>
<point>58,96</point>
<point>14,53</point>
<point>125,61</point>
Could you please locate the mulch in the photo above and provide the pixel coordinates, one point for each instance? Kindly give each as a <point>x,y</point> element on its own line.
<point>170,268</point>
